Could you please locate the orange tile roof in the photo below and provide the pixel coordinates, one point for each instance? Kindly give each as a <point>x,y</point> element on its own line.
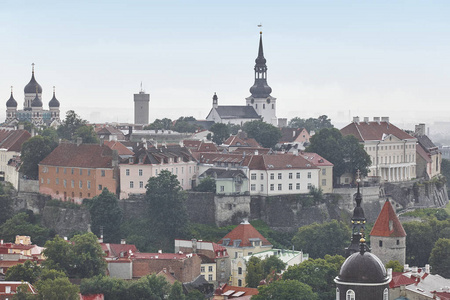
<point>316,159</point>
<point>374,131</point>
<point>225,288</point>
<point>121,149</point>
<point>82,156</point>
<point>381,226</point>
<point>12,140</point>
<point>244,232</point>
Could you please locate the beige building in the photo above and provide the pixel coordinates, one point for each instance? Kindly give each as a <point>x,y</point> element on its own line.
<point>391,150</point>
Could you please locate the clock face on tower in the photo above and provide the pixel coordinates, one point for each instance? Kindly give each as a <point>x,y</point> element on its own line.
<point>268,100</point>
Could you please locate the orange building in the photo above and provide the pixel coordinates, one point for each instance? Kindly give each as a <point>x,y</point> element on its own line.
<point>77,171</point>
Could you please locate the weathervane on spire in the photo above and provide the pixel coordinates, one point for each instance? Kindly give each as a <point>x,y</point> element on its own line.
<point>260,25</point>
<point>32,67</point>
<point>11,90</point>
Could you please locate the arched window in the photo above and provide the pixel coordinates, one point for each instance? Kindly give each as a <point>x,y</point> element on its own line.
<point>239,270</point>
<point>386,294</point>
<point>239,282</point>
<point>350,295</point>
<point>338,296</point>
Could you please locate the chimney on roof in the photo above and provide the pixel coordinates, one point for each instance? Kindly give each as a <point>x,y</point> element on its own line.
<point>366,120</point>
<point>295,152</point>
<point>389,273</point>
<point>21,127</point>
<point>385,119</point>
<point>427,268</point>
<point>356,120</point>
<point>1,242</point>
<point>79,141</point>
<point>377,119</point>
<point>405,268</point>
<point>256,152</point>
<point>194,246</point>
<point>420,129</point>
<point>123,242</point>
<point>159,251</point>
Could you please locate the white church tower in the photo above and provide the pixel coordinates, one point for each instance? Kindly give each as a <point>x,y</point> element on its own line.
<point>261,100</point>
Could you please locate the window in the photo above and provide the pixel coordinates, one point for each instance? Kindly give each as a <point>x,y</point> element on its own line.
<point>65,170</point>
<point>103,173</point>
<point>264,106</point>
<point>297,186</point>
<point>253,176</point>
<point>81,171</point>
<point>309,174</point>
<point>202,269</point>
<point>72,183</point>
<point>262,187</point>
<point>272,187</point>
<point>272,176</point>
<point>380,243</point>
<point>239,282</point>
<point>89,172</point>
<point>80,184</point>
<point>88,184</point>
<point>65,183</point>
<point>280,187</point>
<point>262,176</point>
<point>141,184</point>
<point>386,294</point>
<point>57,170</point>
<point>7,289</point>
<point>210,277</point>
<point>398,242</point>
<point>182,170</point>
<point>48,180</point>
<point>131,184</point>
<point>72,171</point>
<point>290,175</point>
<point>324,171</point>
<point>222,188</point>
<point>338,296</point>
<point>100,187</point>
<point>280,176</point>
<point>127,172</point>
<point>240,271</point>
<point>324,182</point>
<point>210,269</point>
<point>253,187</point>
<point>350,295</point>
<point>298,175</point>
<point>57,180</point>
<point>290,186</point>
<point>309,186</point>
<point>140,172</point>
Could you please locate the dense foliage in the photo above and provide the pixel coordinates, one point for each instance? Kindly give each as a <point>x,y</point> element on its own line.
<point>33,151</point>
<point>440,257</point>
<point>285,289</point>
<point>264,133</point>
<point>220,132</point>
<point>207,184</point>
<point>311,124</point>
<point>259,269</point>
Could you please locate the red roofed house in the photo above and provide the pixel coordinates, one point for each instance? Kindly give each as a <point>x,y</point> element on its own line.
<point>12,254</point>
<point>325,173</point>
<point>9,288</point>
<point>118,260</point>
<point>242,241</point>
<point>294,136</point>
<point>76,171</point>
<point>391,150</point>
<point>10,145</point>
<point>240,140</point>
<point>215,265</point>
<point>184,267</point>
<point>234,292</point>
<point>388,238</point>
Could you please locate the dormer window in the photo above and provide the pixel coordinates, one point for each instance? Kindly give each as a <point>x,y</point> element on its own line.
<point>226,242</point>
<point>236,243</point>
<point>141,160</point>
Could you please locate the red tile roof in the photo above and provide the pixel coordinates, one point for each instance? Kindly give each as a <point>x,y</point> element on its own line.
<point>12,140</point>
<point>288,135</point>
<point>114,250</point>
<point>244,232</point>
<point>225,288</point>
<point>82,156</point>
<point>374,131</point>
<point>280,162</point>
<point>121,149</point>
<point>398,279</point>
<point>316,159</point>
<point>175,256</point>
<point>235,140</point>
<point>386,217</point>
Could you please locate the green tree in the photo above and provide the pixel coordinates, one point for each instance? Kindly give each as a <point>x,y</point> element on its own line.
<point>255,272</point>
<point>87,134</point>
<point>88,256</point>
<point>20,225</point>
<point>286,290</point>
<point>6,202</point>
<point>264,133</point>
<point>59,254</point>
<point>185,124</point>
<point>22,293</point>
<point>318,274</point>
<point>166,211</point>
<point>158,124</point>
<point>395,265</point>
<point>33,151</point>
<point>234,128</point>
<point>50,133</point>
<point>28,271</point>
<point>57,289</point>
<point>105,211</point>
<point>111,288</point>
<point>440,258</point>
<point>176,292</point>
<point>321,239</point>
<point>445,170</point>
<point>149,287</point>
<point>207,184</point>
<point>311,124</point>
<point>419,242</point>
<point>345,153</point>
<point>70,125</point>
<point>220,132</point>
<point>272,263</point>
<point>195,295</point>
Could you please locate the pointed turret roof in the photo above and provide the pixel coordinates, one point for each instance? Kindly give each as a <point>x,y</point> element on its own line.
<point>387,223</point>
<point>358,224</point>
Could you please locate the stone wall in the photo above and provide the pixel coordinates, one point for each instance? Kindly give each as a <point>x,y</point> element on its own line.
<point>231,209</point>
<point>66,221</point>
<point>28,186</point>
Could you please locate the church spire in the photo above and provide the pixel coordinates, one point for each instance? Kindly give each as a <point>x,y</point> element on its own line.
<point>260,89</point>
<point>358,222</point>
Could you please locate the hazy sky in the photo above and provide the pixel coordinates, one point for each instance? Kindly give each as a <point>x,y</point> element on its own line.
<point>340,58</point>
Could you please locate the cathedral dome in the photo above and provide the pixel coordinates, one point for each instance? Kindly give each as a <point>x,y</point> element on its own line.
<point>11,101</point>
<point>363,267</point>
<point>32,86</point>
<point>36,102</point>
<point>54,102</point>
<point>260,89</point>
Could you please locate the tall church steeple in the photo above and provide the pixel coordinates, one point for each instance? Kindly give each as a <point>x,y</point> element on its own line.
<point>358,223</point>
<point>260,89</point>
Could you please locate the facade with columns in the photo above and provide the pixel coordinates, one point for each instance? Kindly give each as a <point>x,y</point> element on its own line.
<point>260,105</point>
<point>391,150</point>
<point>33,110</point>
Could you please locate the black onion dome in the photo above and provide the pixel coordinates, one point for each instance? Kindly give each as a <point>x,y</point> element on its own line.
<point>54,102</point>
<point>36,102</point>
<point>32,85</point>
<point>260,89</point>
<point>11,101</point>
<point>363,267</point>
